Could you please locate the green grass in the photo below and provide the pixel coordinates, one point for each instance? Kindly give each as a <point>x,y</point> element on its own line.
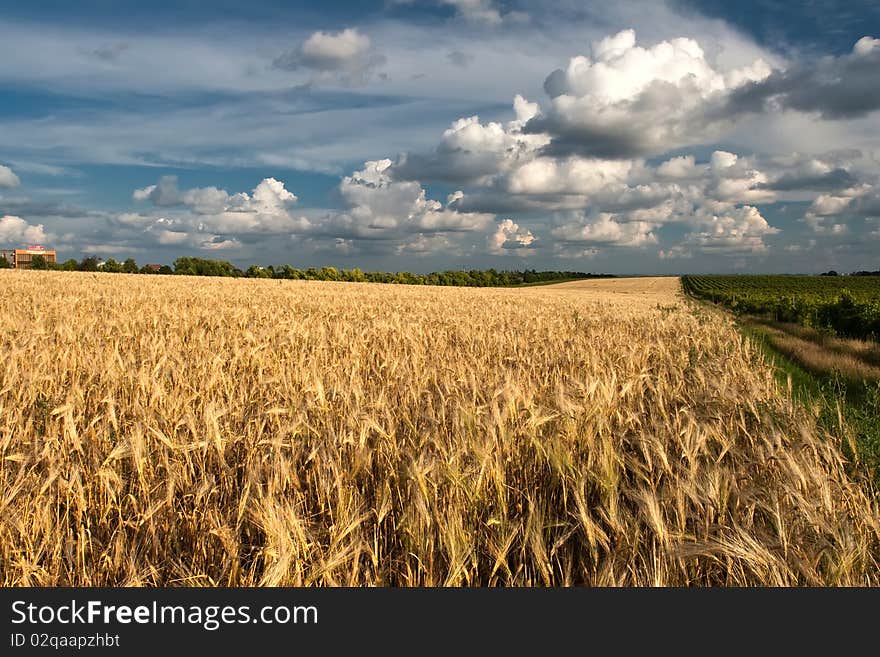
<point>855,403</point>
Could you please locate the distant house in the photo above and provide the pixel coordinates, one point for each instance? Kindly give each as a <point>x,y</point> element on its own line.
<point>153,268</point>
<point>21,258</point>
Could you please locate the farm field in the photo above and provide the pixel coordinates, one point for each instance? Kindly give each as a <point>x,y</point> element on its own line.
<point>168,430</point>
<point>847,305</point>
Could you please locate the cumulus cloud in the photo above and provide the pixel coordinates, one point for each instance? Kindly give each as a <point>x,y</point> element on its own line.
<point>471,151</point>
<point>814,173</point>
<point>572,175</point>
<point>627,101</point>
<point>15,230</point>
<point>605,229</point>
<point>677,168</point>
<point>8,177</point>
<point>619,202</point>
<point>618,153</point>
<point>268,196</point>
<point>729,230</point>
<point>183,233</point>
<point>376,208</point>
<point>713,226</point>
<point>510,238</point>
<point>422,244</point>
<point>379,207</point>
<point>348,52</point>
<point>165,192</point>
<point>843,87</point>
<point>732,178</point>
<point>211,210</point>
<point>830,214</point>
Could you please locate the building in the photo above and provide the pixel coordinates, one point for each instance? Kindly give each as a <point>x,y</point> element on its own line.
<point>22,258</point>
<point>153,268</point>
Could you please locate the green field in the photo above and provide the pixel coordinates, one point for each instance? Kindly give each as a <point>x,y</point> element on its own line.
<point>847,305</point>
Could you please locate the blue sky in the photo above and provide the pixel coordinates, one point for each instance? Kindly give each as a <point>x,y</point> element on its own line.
<point>656,137</point>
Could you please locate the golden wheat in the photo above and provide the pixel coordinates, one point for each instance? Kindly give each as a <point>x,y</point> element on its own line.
<point>171,430</point>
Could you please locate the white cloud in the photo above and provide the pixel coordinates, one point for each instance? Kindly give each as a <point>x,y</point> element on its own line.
<point>8,177</point>
<point>269,197</point>
<point>220,244</point>
<point>209,210</point>
<point>725,229</point>
<point>572,175</point>
<point>828,212</point>
<point>835,87</point>
<point>822,226</point>
<point>829,204</point>
<point>329,51</point>
<point>797,176</point>
<point>376,207</point>
<point>628,100</point>
<point>735,179</point>
<point>422,244</point>
<point>134,220</point>
<point>606,228</point>
<point>144,193</point>
<point>510,238</point>
<point>677,167</point>
<point>348,52</point>
<point>379,207</point>
<point>722,160</point>
<point>169,237</point>
<point>471,151</point>
<point>582,158</point>
<point>211,200</point>
<point>16,231</point>
<point>865,46</point>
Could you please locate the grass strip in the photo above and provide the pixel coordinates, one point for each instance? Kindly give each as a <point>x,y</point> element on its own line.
<point>846,404</point>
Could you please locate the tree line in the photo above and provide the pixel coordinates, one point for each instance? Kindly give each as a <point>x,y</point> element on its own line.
<point>93,263</point>
<point>190,266</point>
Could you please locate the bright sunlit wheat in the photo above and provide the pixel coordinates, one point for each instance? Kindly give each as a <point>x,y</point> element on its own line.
<point>171,430</point>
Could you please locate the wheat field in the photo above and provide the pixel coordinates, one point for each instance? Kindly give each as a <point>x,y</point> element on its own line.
<point>160,431</point>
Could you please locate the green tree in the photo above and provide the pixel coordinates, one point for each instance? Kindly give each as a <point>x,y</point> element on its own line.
<point>70,265</point>
<point>355,275</point>
<point>130,266</point>
<point>203,267</point>
<point>111,266</point>
<point>89,263</point>
<point>4,263</point>
<point>39,262</point>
